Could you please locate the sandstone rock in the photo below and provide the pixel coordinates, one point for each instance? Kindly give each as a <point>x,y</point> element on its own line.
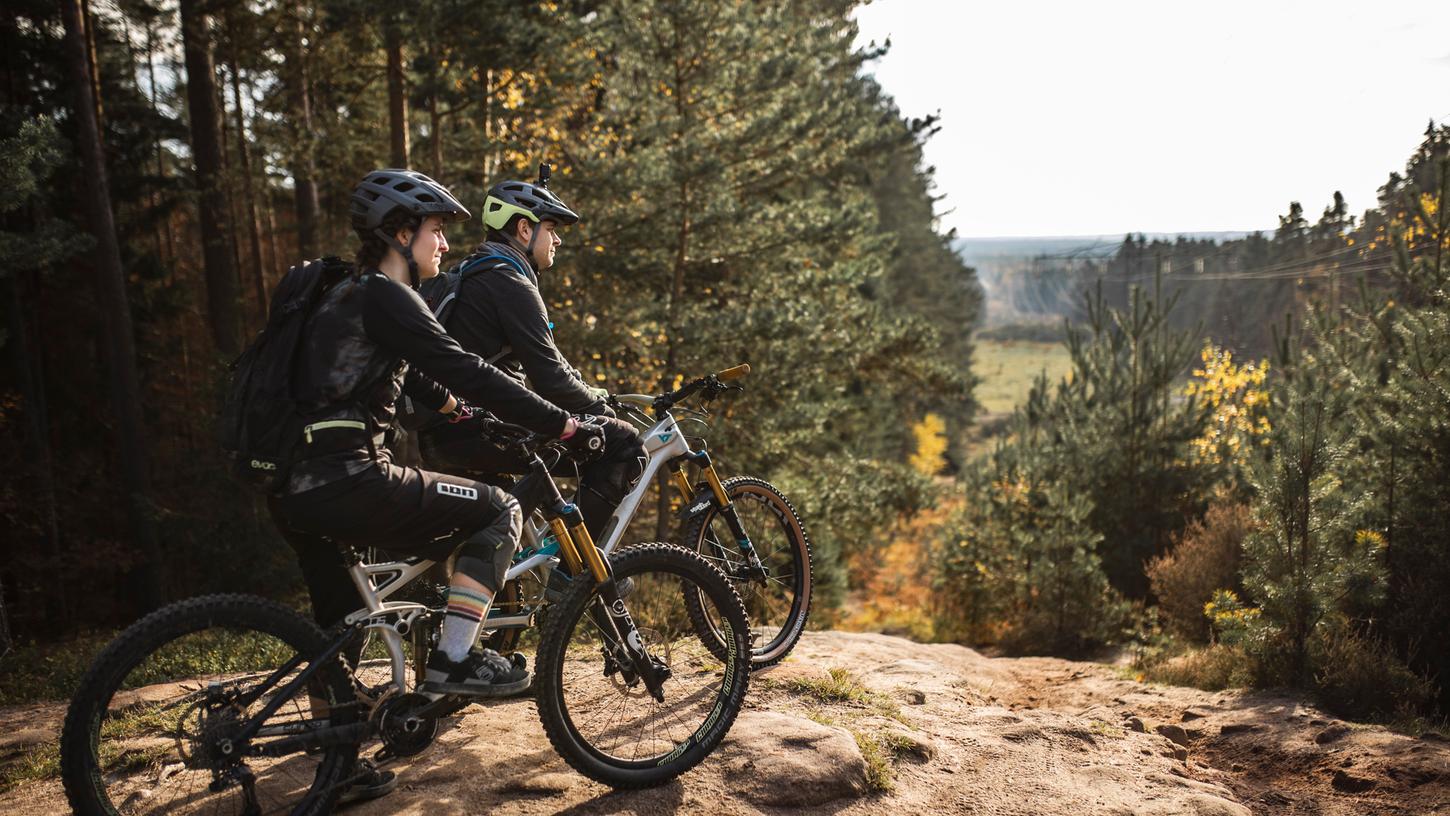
<point>1190,714</point>
<point>1237,728</point>
<point>1136,724</point>
<point>915,747</point>
<point>1174,732</point>
<point>912,696</point>
<point>545,784</point>
<point>1332,734</point>
<point>1349,783</point>
<point>779,760</point>
<point>1194,805</point>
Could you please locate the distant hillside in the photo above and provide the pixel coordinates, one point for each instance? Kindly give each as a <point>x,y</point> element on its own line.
<point>974,250</point>
<point>1029,280</point>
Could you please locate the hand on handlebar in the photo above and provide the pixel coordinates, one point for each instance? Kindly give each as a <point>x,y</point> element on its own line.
<point>584,433</point>
<point>462,412</point>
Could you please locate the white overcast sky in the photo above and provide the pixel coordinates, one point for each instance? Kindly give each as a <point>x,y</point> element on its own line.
<point>1071,117</point>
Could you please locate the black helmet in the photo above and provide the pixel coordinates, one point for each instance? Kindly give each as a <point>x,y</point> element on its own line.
<point>383,191</point>
<point>533,201</point>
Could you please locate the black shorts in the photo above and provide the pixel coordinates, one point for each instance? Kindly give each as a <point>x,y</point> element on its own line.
<point>403,510</point>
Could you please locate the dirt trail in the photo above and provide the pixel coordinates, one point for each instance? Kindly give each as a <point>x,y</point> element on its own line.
<point>929,728</point>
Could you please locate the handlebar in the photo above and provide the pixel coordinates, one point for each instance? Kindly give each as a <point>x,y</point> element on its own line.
<point>527,440</point>
<point>712,384</point>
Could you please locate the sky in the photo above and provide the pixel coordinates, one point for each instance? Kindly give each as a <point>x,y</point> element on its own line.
<point>1068,117</point>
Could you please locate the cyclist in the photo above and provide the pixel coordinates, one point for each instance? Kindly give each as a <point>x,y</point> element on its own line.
<point>370,339</point>
<point>500,316</point>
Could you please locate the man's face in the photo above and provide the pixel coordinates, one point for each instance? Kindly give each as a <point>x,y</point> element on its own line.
<point>428,246</point>
<point>545,243</point>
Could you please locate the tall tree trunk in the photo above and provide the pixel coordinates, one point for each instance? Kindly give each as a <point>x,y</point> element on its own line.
<point>229,193</point>
<point>94,66</point>
<point>435,133</point>
<point>27,367</point>
<point>273,250</point>
<point>201,95</point>
<point>163,226</point>
<point>115,310</point>
<point>397,94</point>
<point>249,194</point>
<point>304,171</point>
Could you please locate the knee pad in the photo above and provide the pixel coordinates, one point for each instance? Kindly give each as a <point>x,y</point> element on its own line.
<point>486,555</point>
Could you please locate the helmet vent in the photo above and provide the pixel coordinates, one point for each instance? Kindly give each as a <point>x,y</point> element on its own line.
<point>404,186</point>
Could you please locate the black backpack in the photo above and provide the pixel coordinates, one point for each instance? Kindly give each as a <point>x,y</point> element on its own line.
<point>261,423</point>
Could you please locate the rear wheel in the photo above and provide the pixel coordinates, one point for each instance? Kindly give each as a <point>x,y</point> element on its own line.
<point>155,725</point>
<point>599,714</point>
<point>779,602</point>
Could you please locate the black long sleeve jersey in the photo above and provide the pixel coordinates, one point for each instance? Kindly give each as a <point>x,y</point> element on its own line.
<point>500,308</point>
<point>370,340</point>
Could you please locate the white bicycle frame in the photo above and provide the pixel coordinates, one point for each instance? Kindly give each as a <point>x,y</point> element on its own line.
<point>392,620</point>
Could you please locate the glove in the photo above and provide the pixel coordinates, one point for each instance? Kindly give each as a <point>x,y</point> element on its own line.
<point>601,401</point>
<point>462,412</point>
<point>587,438</point>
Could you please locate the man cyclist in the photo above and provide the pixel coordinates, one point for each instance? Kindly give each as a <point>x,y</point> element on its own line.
<point>370,339</point>
<point>500,316</point>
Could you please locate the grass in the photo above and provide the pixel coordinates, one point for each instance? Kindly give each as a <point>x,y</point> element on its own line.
<point>842,687</point>
<point>37,764</point>
<point>854,703</point>
<point>1007,369</point>
<point>1211,668</point>
<point>48,672</point>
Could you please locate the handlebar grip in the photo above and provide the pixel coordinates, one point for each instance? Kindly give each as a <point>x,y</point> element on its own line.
<point>733,373</point>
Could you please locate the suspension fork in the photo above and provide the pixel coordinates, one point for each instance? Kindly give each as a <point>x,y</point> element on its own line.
<point>577,549</point>
<point>755,569</point>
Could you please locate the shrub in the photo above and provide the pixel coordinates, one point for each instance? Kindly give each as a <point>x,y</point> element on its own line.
<point>1205,557</point>
<point>1213,668</point>
<point>1360,677</point>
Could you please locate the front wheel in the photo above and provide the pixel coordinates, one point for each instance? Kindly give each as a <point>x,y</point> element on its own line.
<point>599,714</point>
<point>779,600</point>
<point>156,724</point>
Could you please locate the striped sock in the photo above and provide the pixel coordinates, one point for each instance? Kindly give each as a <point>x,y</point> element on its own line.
<point>466,610</point>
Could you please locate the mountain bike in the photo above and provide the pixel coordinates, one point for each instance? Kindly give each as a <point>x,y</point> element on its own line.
<point>237,698</point>
<point>743,525</point>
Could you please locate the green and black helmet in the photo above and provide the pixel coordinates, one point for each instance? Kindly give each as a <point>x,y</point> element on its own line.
<point>532,201</point>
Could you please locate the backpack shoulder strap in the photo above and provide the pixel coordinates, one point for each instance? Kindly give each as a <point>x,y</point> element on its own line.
<point>475,265</point>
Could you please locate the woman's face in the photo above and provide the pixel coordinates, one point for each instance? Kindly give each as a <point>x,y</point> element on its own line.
<point>428,246</point>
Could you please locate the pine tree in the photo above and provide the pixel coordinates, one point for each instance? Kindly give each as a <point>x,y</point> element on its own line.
<point>1304,562</point>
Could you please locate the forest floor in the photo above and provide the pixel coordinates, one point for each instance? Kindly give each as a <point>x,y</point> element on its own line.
<point>865,723</point>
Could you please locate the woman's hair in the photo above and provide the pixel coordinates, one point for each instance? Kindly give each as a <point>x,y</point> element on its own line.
<point>374,249</point>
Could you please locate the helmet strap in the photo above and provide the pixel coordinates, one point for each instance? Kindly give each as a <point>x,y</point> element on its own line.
<point>512,237</point>
<point>406,250</point>
<point>533,237</point>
